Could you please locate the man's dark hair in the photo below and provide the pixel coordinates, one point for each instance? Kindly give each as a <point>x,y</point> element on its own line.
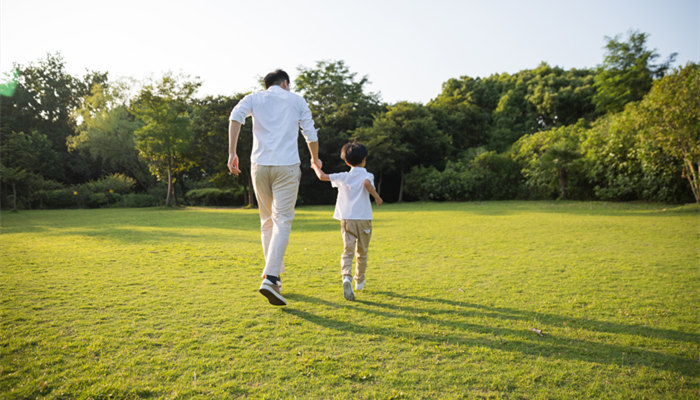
<point>275,77</point>
<point>353,153</point>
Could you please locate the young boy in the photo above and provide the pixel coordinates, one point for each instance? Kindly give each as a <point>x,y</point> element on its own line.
<point>354,211</point>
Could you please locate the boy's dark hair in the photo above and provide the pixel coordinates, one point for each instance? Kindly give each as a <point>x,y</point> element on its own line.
<point>275,77</point>
<point>353,153</point>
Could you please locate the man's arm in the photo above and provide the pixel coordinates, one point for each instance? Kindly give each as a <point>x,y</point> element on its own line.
<point>373,192</point>
<point>234,128</point>
<point>313,150</point>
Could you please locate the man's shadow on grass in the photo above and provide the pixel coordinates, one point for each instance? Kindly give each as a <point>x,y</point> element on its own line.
<point>457,330</point>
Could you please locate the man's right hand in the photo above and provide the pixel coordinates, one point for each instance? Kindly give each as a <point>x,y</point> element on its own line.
<point>233,164</point>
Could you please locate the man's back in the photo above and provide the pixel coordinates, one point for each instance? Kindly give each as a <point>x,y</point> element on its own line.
<point>277,115</point>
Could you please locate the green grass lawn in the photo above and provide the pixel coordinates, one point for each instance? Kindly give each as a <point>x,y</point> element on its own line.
<point>163,303</point>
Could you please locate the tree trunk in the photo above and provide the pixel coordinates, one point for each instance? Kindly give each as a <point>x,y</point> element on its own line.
<point>251,195</point>
<point>562,182</point>
<point>14,197</point>
<point>401,188</point>
<point>379,184</point>
<point>168,198</point>
<point>693,178</point>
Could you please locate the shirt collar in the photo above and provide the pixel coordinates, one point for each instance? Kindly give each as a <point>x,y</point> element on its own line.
<point>358,169</point>
<point>276,87</point>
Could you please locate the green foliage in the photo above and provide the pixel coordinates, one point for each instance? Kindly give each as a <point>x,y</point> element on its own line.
<point>538,100</point>
<point>550,160</point>
<point>44,101</point>
<point>107,132</point>
<point>627,72</point>
<point>139,200</point>
<point>620,132</point>
<point>115,183</point>
<point>669,117</point>
<point>403,137</point>
<point>214,197</point>
<point>622,165</point>
<point>166,133</point>
<point>487,175</point>
<point>59,198</point>
<point>497,110</point>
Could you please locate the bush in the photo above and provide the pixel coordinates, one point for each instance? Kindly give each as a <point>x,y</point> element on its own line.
<point>214,197</point>
<point>59,198</point>
<point>496,177</point>
<point>95,200</point>
<point>139,200</point>
<point>115,183</point>
<point>488,176</point>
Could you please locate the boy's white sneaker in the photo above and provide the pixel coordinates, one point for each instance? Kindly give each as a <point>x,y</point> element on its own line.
<point>359,286</point>
<point>347,289</point>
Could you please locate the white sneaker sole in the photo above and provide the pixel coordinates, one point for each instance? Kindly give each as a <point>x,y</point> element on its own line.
<point>273,297</point>
<point>347,291</point>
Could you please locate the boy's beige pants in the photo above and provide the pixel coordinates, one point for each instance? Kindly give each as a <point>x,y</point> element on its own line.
<point>276,189</point>
<point>356,235</point>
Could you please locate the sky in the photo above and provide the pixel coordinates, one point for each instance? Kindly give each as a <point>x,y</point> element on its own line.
<point>406,48</point>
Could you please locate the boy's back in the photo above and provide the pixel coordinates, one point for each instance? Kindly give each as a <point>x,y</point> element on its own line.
<point>353,198</point>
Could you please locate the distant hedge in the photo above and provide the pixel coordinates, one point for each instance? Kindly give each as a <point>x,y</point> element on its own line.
<point>214,197</point>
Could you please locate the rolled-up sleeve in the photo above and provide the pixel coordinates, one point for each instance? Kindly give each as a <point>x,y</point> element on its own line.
<point>242,110</point>
<point>306,123</point>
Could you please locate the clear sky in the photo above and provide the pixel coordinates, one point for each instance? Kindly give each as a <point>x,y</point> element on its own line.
<point>407,48</point>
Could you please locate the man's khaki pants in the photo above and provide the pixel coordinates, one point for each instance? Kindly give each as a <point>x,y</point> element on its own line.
<point>276,189</point>
<point>356,235</point>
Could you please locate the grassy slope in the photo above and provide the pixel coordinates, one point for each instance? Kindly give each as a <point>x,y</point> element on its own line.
<point>155,303</point>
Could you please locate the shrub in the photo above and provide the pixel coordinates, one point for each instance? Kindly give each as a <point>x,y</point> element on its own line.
<point>488,176</point>
<point>139,200</point>
<point>214,197</point>
<point>59,198</point>
<point>115,183</point>
<point>496,177</point>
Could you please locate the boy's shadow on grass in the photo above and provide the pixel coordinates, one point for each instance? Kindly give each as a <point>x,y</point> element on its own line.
<point>458,330</point>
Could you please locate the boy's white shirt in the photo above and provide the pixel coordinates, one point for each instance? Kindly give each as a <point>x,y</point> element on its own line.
<point>353,199</point>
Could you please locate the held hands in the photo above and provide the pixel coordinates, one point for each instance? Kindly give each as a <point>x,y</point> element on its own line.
<point>316,164</point>
<point>233,164</point>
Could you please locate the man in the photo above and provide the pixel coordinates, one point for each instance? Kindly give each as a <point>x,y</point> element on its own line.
<point>277,116</point>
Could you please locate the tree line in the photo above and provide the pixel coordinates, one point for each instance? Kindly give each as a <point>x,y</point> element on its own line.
<point>628,129</point>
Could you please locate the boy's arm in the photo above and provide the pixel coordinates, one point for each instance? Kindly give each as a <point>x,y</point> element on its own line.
<point>373,192</point>
<point>319,173</point>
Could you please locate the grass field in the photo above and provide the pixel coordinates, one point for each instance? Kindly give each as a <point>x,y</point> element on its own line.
<point>163,303</point>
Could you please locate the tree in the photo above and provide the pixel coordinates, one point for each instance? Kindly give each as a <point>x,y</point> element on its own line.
<point>549,159</point>
<point>670,119</point>
<point>463,110</point>
<point>24,157</point>
<point>164,109</point>
<point>207,152</point>
<point>560,158</point>
<point>106,132</point>
<point>403,137</point>
<point>339,104</point>
<point>627,72</point>
<point>45,98</point>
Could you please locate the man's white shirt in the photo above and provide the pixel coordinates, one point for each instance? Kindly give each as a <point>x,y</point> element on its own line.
<point>277,116</point>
